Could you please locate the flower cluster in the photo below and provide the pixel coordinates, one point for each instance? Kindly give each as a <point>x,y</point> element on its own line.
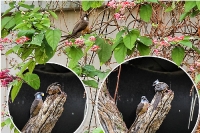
<point>120,8</point>
<point>5,40</point>
<point>22,40</point>
<point>92,39</point>
<point>5,78</point>
<point>166,42</point>
<point>95,48</point>
<point>195,66</point>
<point>68,43</point>
<point>79,42</point>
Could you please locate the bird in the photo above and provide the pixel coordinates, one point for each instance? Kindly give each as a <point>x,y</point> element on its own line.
<point>142,106</point>
<point>82,27</point>
<point>160,89</point>
<point>37,104</point>
<point>54,88</point>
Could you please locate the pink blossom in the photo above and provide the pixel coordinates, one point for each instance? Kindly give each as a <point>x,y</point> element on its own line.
<point>79,42</point>
<point>67,43</point>
<point>6,40</point>
<point>170,39</point>
<point>156,51</point>
<point>164,43</point>
<point>22,40</point>
<point>95,48</point>
<point>112,4</point>
<point>1,47</point>
<point>155,41</point>
<point>197,64</point>
<point>92,38</point>
<point>117,15</point>
<point>180,37</point>
<point>191,68</point>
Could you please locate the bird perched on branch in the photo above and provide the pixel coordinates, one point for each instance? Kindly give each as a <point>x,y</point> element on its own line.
<point>160,89</point>
<point>37,104</point>
<point>142,106</point>
<point>80,28</point>
<point>54,88</point>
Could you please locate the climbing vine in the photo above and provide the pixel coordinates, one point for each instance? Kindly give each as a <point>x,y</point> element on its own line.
<point>140,28</point>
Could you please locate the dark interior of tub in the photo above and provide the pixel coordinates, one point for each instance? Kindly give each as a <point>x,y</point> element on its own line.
<point>136,79</point>
<point>74,106</point>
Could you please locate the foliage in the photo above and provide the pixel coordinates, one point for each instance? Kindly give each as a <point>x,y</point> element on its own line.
<point>8,122</point>
<point>37,40</point>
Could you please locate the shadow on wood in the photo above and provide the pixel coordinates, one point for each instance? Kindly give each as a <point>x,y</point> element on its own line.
<point>48,116</point>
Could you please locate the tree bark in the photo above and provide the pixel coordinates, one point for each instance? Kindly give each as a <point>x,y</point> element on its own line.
<point>150,121</point>
<point>48,116</point>
<point>109,115</point>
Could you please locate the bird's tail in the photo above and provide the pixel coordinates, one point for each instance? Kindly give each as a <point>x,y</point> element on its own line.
<point>66,37</point>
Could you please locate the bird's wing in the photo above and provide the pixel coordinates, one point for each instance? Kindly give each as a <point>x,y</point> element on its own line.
<point>139,108</point>
<point>79,26</point>
<point>36,103</point>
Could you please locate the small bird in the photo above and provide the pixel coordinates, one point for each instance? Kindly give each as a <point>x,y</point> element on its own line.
<point>54,88</point>
<point>37,104</point>
<point>160,89</point>
<point>80,28</point>
<point>142,106</point>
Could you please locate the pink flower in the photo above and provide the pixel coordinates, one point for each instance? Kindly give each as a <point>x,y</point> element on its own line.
<point>197,64</point>
<point>67,43</point>
<point>112,4</point>
<point>1,47</point>
<point>95,48</point>
<point>191,68</point>
<point>6,40</point>
<point>92,38</point>
<point>164,43</point>
<point>170,39</point>
<point>79,42</point>
<point>117,16</point>
<point>155,41</point>
<point>22,40</point>
<point>180,37</point>
<point>156,51</point>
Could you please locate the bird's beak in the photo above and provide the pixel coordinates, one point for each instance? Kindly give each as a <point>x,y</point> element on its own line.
<point>42,94</point>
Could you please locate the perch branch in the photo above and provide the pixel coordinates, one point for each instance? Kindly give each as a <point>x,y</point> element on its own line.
<point>150,121</point>
<point>48,116</point>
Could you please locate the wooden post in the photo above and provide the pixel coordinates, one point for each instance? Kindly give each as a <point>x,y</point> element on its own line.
<point>48,116</point>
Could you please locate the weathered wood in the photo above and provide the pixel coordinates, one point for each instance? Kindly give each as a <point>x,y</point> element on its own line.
<point>150,121</point>
<point>109,115</point>
<point>48,116</point>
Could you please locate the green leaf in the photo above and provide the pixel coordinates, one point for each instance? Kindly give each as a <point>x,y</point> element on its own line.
<point>197,78</point>
<point>97,130</point>
<point>31,66</point>
<point>43,53</point>
<point>27,33</point>
<point>153,1</point>
<point>102,75</point>
<point>178,55</point>
<point>145,40</point>
<point>143,49</point>
<point>120,52</point>
<point>7,22</point>
<point>15,90</point>
<point>37,39</point>
<point>21,4</point>
<point>105,51</point>
<point>53,14</point>
<point>11,4</point>
<point>3,124</point>
<point>46,22</point>
<point>182,17</point>
<point>20,26</point>
<point>145,12</point>
<point>75,54</point>
<point>33,80</point>
<point>4,33</point>
<point>198,4</point>
<point>130,38</point>
<point>86,5</point>
<point>91,83</point>
<point>18,18</point>
<point>7,121</point>
<point>118,39</point>
<point>26,52</point>
<point>16,131</point>
<point>77,69</point>
<point>189,5</point>
<point>169,9</point>
<point>11,126</point>
<point>53,37</point>
<point>187,43</point>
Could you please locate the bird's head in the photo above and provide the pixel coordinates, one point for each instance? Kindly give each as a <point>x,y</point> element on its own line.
<point>85,17</point>
<point>39,95</point>
<point>144,99</point>
<point>155,82</point>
